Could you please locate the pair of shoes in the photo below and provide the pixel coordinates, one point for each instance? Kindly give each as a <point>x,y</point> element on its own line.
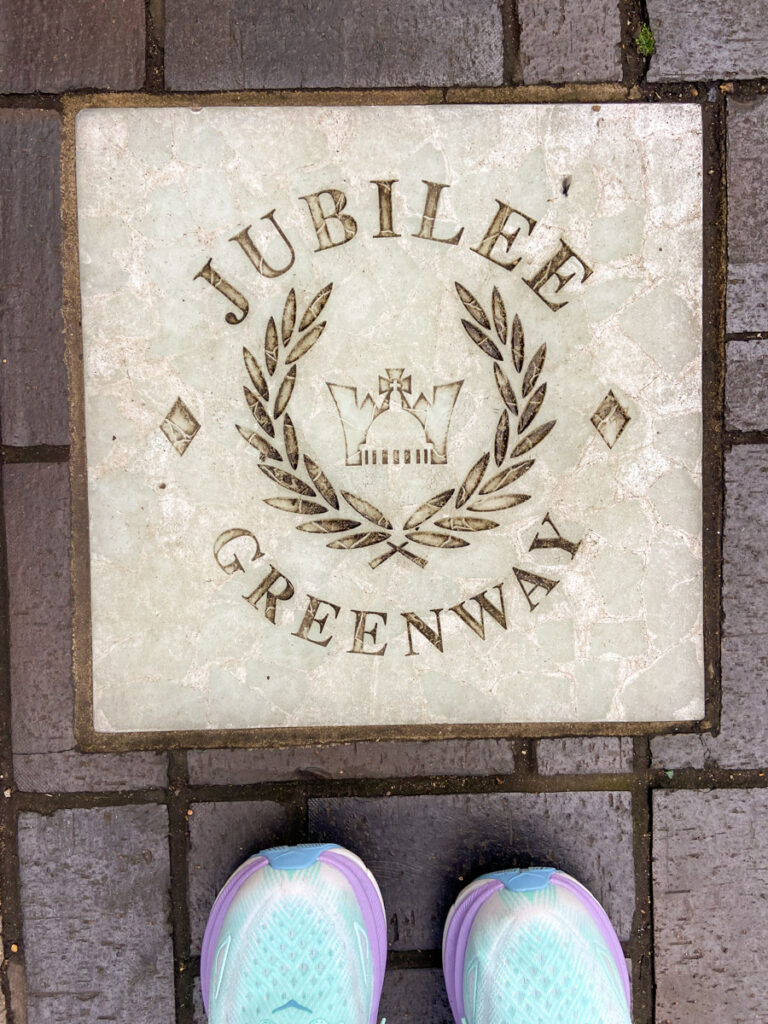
<point>298,935</point>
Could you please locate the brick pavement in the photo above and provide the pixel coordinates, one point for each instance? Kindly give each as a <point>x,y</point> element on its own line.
<point>108,861</point>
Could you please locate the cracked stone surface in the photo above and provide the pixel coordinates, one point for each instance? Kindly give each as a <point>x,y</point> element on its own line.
<point>459,512</point>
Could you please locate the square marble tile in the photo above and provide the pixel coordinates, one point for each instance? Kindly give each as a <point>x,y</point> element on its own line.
<point>393,415</point>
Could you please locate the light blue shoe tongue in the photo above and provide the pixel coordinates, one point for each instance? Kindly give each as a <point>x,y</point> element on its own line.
<point>523,879</point>
<point>290,858</point>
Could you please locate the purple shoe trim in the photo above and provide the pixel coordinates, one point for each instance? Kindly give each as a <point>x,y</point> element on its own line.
<point>603,923</point>
<point>373,918</point>
<point>216,920</point>
<point>456,939</point>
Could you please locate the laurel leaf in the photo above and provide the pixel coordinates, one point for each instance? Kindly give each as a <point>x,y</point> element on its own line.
<point>287,480</point>
<point>481,340</point>
<point>535,367</point>
<point>498,501</point>
<point>270,347</point>
<point>259,413</point>
<point>518,344</point>
<point>505,389</point>
<point>284,392</point>
<point>321,482</point>
<point>472,480</point>
<point>501,441</point>
<point>257,377</point>
<point>432,539</point>
<point>472,306</point>
<point>467,524</point>
<point>428,509</point>
<point>529,412</point>
<point>532,439</point>
<point>506,476</point>
<point>305,343</point>
<point>315,308</point>
<point>367,510</point>
<point>263,447</point>
<point>359,540</point>
<point>300,506</point>
<point>289,317</point>
<point>291,441</point>
<point>499,316</point>
<point>328,525</point>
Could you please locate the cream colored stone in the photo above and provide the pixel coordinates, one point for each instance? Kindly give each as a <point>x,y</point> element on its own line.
<point>176,643</point>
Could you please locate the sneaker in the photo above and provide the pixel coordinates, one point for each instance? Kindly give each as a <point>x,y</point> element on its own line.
<point>533,947</point>
<point>297,935</point>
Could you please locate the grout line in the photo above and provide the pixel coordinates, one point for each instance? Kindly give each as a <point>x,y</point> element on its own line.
<point>295,794</point>
<point>737,437</point>
<point>154,68</point>
<point>634,67</point>
<point>178,845</point>
<point>641,943</point>
<point>746,336</point>
<point>592,92</point>
<point>10,907</point>
<point>10,454</point>
<point>510,28</point>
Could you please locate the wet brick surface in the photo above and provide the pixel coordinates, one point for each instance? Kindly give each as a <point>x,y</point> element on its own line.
<point>352,760</point>
<point>424,849</point>
<point>286,44</point>
<point>96,926</point>
<point>748,213</point>
<point>33,382</point>
<point>710,879</point>
<point>570,41</point>
<point>704,39</point>
<point>37,509</point>
<point>72,44</point>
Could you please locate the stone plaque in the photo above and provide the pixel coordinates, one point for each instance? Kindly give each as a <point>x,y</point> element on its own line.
<point>392,415</point>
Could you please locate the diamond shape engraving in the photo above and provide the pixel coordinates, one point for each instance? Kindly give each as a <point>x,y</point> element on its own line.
<point>610,419</point>
<point>180,426</point>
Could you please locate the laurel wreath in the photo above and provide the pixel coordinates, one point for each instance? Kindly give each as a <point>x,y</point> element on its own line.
<point>443,518</point>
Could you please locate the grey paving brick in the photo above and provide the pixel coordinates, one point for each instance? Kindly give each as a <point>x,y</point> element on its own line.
<point>94,889</point>
<point>288,44</point>
<point>351,760</point>
<point>221,836</point>
<point>743,738</point>
<point>747,303</point>
<point>424,849</point>
<point>72,772</point>
<point>33,381</point>
<point>748,211</point>
<point>577,754</point>
<point>706,39</point>
<point>570,41</point>
<point>52,47</point>
<point>415,997</point>
<point>710,851</point>
<point>746,385</point>
<point>37,508</point>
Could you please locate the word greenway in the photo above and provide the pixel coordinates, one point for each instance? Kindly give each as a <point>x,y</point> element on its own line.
<point>319,621</point>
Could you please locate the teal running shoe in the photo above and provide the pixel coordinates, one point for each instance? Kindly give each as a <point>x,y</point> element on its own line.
<point>533,947</point>
<point>297,935</point>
